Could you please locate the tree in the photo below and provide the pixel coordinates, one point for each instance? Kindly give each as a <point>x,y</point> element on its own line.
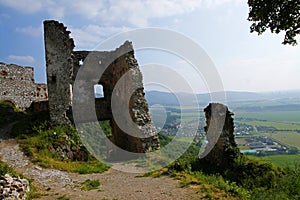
<point>276,15</point>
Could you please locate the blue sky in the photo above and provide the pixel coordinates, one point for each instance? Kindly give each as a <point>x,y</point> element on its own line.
<point>245,61</point>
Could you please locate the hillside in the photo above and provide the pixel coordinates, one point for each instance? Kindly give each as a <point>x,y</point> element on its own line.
<point>55,176</point>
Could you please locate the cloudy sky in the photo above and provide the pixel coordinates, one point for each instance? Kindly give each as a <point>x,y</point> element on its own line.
<point>244,61</point>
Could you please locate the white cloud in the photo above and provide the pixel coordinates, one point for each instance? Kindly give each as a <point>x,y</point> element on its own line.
<point>134,12</point>
<point>21,59</point>
<point>88,37</point>
<point>32,31</point>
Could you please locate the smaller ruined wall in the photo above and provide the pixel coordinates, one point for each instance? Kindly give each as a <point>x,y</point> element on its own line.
<point>225,149</point>
<point>17,85</point>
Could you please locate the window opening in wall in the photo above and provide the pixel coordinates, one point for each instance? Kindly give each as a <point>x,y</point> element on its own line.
<point>80,62</point>
<point>53,79</point>
<point>98,91</point>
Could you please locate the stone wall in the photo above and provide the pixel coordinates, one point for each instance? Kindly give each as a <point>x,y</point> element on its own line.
<point>219,131</point>
<point>59,65</point>
<point>114,67</point>
<point>17,85</point>
<point>41,92</point>
<point>13,188</point>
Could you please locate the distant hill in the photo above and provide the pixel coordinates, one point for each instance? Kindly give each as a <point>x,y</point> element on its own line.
<point>285,100</point>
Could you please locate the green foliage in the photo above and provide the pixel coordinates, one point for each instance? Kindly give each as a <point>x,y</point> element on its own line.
<point>90,185</point>
<point>280,15</point>
<point>164,140</point>
<point>290,182</point>
<point>5,169</point>
<point>252,173</point>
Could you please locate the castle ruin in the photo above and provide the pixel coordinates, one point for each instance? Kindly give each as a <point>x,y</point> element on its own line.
<point>18,86</point>
<point>63,64</point>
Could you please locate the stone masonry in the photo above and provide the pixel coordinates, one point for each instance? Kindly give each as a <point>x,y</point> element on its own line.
<point>219,118</point>
<point>120,65</point>
<point>18,86</point>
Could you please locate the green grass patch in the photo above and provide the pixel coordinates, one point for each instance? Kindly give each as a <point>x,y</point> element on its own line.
<point>290,126</point>
<point>58,147</point>
<point>64,197</point>
<point>280,160</point>
<point>5,169</point>
<point>276,116</point>
<point>90,185</point>
<point>41,147</point>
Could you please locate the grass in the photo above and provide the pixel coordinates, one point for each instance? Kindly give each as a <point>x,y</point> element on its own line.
<point>5,169</point>
<point>84,167</point>
<point>40,145</point>
<point>64,197</point>
<point>280,160</point>
<point>90,185</point>
<point>39,140</point>
<point>276,116</point>
<point>283,126</point>
<point>209,186</point>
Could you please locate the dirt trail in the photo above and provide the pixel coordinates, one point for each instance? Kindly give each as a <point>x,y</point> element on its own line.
<point>114,184</point>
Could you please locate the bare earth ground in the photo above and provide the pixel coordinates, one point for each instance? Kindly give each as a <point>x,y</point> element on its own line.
<point>114,184</point>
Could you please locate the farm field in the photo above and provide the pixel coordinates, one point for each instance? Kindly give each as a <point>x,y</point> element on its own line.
<point>289,138</point>
<point>287,122</point>
<point>275,116</point>
<point>283,126</point>
<point>280,160</point>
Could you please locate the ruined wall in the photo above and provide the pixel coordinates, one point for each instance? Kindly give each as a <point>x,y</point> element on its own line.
<point>59,65</point>
<point>225,149</point>
<point>63,63</point>
<point>41,91</point>
<point>17,85</point>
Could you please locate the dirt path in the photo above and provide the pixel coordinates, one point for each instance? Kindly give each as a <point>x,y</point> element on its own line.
<point>114,184</point>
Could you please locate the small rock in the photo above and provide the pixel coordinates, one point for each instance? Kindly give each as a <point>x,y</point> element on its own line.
<point>38,168</point>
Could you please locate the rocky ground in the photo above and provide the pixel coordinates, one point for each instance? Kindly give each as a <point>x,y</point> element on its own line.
<point>114,184</point>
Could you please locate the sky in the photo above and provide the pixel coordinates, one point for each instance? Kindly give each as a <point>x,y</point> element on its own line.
<point>243,60</point>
